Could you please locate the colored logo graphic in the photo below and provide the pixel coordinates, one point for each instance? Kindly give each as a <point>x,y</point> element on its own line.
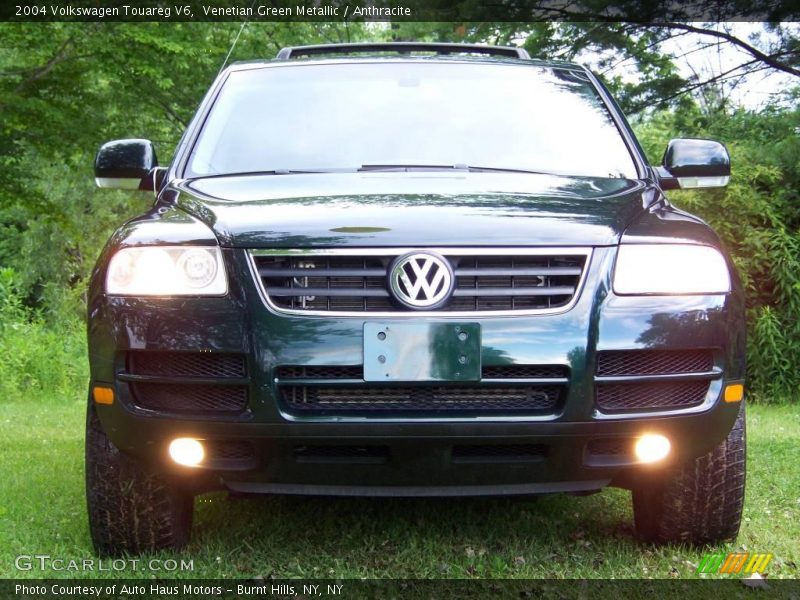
<point>734,562</point>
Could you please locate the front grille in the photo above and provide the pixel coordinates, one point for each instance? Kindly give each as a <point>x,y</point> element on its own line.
<point>610,447</point>
<point>650,395</point>
<point>524,372</point>
<point>343,454</point>
<point>176,387</point>
<point>653,362</point>
<point>229,450</point>
<point>492,282</point>
<point>186,364</point>
<point>190,398</point>
<point>423,398</point>
<point>626,392</point>
<point>499,453</point>
<point>320,372</point>
<point>357,372</point>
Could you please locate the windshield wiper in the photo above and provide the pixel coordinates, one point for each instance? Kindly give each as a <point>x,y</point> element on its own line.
<point>280,172</point>
<point>381,168</point>
<point>453,167</point>
<point>472,169</point>
<point>401,168</point>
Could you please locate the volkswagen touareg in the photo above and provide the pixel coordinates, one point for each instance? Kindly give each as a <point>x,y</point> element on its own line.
<point>413,270</point>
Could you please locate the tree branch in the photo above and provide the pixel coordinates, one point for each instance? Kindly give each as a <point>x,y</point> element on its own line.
<point>768,59</point>
<point>647,48</point>
<point>59,56</point>
<point>719,77</point>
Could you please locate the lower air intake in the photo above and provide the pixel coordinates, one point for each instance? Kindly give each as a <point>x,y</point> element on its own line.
<point>190,398</point>
<point>651,395</point>
<point>379,399</point>
<point>499,453</point>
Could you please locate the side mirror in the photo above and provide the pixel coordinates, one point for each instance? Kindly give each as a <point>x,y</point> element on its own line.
<point>695,164</point>
<point>125,165</point>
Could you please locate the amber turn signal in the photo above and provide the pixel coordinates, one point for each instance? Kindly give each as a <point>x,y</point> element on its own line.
<point>734,392</point>
<point>103,395</point>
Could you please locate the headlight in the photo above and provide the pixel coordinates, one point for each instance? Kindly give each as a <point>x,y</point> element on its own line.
<point>670,269</point>
<point>167,271</point>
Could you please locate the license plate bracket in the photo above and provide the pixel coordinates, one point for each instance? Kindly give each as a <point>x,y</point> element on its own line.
<point>422,351</point>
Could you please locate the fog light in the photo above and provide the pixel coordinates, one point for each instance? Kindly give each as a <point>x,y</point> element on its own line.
<point>186,451</point>
<point>651,448</point>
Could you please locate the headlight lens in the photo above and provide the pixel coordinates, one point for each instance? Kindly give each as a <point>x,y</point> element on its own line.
<point>167,271</point>
<point>670,269</point>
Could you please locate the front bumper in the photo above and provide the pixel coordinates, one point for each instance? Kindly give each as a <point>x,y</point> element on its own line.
<point>418,458</point>
<point>417,454</point>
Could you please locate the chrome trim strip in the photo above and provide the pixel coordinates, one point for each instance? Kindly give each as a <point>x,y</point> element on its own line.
<point>715,373</point>
<point>397,251</point>
<point>179,380</point>
<point>118,183</point>
<point>482,383</point>
<point>372,419</point>
<point>568,251</point>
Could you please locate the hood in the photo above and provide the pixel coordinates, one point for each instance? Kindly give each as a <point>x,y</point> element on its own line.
<point>413,209</point>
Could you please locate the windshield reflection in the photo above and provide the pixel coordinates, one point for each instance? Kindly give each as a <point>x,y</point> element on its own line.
<point>318,117</point>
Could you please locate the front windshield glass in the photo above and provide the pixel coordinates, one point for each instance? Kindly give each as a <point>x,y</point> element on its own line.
<point>307,117</point>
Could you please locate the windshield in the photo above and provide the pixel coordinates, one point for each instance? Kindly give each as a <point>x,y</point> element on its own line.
<point>416,114</point>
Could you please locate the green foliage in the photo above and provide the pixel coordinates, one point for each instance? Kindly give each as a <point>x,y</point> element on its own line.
<point>68,87</point>
<point>758,218</point>
<point>51,233</point>
<point>38,360</point>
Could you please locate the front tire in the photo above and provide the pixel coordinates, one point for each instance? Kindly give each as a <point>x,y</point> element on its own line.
<point>698,502</point>
<point>132,507</point>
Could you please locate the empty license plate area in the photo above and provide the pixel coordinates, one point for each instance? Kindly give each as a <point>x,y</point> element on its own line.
<point>422,352</point>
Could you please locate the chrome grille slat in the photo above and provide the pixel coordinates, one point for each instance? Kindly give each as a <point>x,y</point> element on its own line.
<point>354,282</point>
<point>518,272</point>
<point>537,291</point>
<point>330,291</point>
<point>322,272</point>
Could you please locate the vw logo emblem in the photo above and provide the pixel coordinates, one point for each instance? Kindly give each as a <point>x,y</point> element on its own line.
<point>421,280</point>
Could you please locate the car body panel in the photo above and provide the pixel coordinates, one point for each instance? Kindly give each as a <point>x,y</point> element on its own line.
<point>407,209</point>
<point>445,208</point>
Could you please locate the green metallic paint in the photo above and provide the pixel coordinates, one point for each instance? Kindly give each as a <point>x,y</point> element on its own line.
<point>356,209</point>
<point>411,210</point>
<point>241,322</point>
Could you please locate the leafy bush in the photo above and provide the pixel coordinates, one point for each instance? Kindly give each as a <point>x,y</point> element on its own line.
<point>53,229</point>
<point>38,360</point>
<point>758,218</point>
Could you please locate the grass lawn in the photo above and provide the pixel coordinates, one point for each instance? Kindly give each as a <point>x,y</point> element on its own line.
<point>42,511</point>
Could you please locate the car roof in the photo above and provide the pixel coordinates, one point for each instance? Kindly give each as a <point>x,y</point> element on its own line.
<point>403,52</point>
<point>372,58</point>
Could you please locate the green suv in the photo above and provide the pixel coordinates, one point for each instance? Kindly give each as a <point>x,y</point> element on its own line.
<point>413,270</point>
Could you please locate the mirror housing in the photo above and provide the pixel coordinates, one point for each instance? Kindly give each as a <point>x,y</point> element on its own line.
<point>695,163</point>
<point>125,165</point>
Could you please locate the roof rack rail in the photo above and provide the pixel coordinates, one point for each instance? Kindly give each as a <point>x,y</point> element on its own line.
<point>402,48</point>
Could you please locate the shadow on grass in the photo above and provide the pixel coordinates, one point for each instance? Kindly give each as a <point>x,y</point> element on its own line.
<point>408,536</point>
